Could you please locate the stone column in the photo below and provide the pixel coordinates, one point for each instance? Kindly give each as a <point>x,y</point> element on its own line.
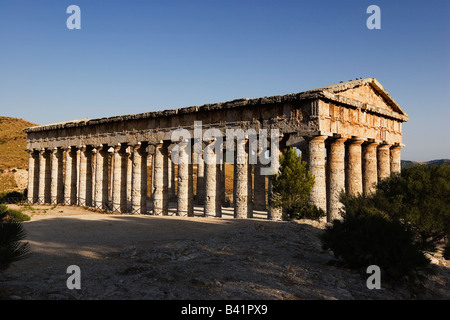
<point>129,179</point>
<point>55,186</point>
<point>191,183</point>
<point>210,207</point>
<point>31,176</point>
<point>384,162</point>
<point>241,180</point>
<point>316,152</point>
<point>117,180</point>
<point>136,188</point>
<point>89,176</point>
<point>336,177</point>
<point>370,174</point>
<point>42,173</point>
<point>354,167</point>
<point>82,195</point>
<point>99,183</point>
<point>68,177</point>
<point>183,182</point>
<point>160,195</point>
<point>395,158</point>
<point>94,153</point>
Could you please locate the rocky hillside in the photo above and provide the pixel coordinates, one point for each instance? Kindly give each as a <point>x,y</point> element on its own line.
<point>13,157</point>
<point>407,163</point>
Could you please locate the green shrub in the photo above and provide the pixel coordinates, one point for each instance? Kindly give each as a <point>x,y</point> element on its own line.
<point>291,186</point>
<point>13,214</point>
<point>305,211</point>
<point>11,234</point>
<point>364,239</point>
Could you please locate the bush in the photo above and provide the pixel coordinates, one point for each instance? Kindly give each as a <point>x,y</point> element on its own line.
<point>306,211</point>
<point>11,234</point>
<point>370,239</point>
<point>291,186</point>
<point>13,214</point>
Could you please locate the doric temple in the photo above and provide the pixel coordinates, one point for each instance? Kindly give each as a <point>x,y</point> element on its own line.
<point>350,135</point>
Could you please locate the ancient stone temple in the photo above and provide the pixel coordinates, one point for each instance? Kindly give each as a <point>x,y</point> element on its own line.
<point>349,133</point>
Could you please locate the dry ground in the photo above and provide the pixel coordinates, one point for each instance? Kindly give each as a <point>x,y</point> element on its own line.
<point>148,257</point>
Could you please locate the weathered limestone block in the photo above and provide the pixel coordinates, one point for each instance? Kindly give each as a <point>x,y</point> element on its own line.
<point>336,177</point>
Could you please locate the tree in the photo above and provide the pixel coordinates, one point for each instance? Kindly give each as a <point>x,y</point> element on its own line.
<point>11,234</point>
<point>291,188</point>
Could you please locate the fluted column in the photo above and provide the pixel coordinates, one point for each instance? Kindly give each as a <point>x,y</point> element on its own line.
<point>384,162</point>
<point>336,177</point>
<point>395,159</point>
<point>42,173</point>
<point>68,177</point>
<point>370,174</point>
<point>117,180</point>
<point>82,195</point>
<point>160,195</point>
<point>354,167</point>
<point>316,153</point>
<point>99,183</point>
<point>241,179</point>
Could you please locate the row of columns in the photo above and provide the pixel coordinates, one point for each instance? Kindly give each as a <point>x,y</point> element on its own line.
<point>352,165</point>
<point>115,178</point>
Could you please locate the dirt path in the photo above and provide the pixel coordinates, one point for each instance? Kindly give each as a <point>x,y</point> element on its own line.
<point>148,257</point>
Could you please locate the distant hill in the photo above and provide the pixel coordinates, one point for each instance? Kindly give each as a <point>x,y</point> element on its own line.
<point>407,163</point>
<point>13,157</point>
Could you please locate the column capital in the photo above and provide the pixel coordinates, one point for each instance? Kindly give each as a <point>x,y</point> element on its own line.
<point>355,141</point>
<point>397,146</point>
<point>315,138</point>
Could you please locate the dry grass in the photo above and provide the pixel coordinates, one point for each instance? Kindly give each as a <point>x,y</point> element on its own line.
<point>12,150</point>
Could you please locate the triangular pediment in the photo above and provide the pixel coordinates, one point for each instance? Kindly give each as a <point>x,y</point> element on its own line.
<point>366,91</point>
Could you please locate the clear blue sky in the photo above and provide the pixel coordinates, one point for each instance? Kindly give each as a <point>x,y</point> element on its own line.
<point>139,55</point>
